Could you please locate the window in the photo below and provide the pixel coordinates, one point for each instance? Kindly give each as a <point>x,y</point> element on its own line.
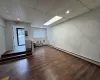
<point>20,36</point>
<point>39,33</point>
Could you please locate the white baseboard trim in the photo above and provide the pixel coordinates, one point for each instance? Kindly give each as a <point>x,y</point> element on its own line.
<point>79,56</point>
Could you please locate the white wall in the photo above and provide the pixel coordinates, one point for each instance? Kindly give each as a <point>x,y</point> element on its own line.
<point>39,39</point>
<point>31,31</point>
<point>2,22</point>
<point>9,33</point>
<point>2,37</point>
<point>80,35</point>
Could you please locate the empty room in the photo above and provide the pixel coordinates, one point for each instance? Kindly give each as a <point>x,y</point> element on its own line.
<point>49,39</point>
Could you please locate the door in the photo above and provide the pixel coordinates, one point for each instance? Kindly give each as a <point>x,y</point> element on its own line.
<point>20,36</point>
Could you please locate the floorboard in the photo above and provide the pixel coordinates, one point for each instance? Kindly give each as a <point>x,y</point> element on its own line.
<point>50,64</point>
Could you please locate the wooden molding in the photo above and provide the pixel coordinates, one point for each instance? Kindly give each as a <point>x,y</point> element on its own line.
<point>79,56</point>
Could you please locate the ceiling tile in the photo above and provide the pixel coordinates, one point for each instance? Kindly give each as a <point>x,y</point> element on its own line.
<point>76,12</point>
<point>2,10</point>
<point>91,3</point>
<point>8,16</point>
<point>29,3</point>
<point>73,6</point>
<point>9,5</point>
<point>60,5</point>
<point>45,5</point>
<point>60,21</point>
<point>34,15</point>
<point>12,8</point>
<point>38,12</point>
<point>72,14</point>
<point>17,12</point>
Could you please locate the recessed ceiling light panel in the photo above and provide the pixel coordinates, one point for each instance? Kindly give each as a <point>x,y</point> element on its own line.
<point>67,11</point>
<point>54,19</point>
<point>18,19</point>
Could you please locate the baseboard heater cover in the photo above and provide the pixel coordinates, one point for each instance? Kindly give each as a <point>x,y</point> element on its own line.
<point>79,56</point>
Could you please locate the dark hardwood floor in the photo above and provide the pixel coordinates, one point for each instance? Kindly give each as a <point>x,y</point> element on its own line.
<point>50,64</point>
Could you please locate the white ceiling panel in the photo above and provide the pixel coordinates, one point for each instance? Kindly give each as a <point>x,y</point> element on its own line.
<point>8,16</point>
<point>2,10</point>
<point>29,3</point>
<point>38,12</point>
<point>34,15</point>
<point>12,9</point>
<point>28,13</point>
<point>76,12</point>
<point>45,5</point>
<point>73,13</point>
<point>58,6</point>
<point>9,5</point>
<point>60,21</point>
<point>92,4</point>
<point>73,9</point>
<point>17,12</point>
<point>61,5</point>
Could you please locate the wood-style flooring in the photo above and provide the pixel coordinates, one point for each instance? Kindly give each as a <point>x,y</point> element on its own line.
<point>50,64</point>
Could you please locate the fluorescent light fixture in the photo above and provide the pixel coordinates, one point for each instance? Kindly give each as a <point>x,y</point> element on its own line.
<point>54,19</point>
<point>67,11</point>
<point>18,19</point>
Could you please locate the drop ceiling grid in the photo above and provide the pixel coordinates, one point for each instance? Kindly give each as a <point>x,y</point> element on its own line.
<point>34,14</point>
<point>92,4</point>
<point>45,5</point>
<point>40,11</point>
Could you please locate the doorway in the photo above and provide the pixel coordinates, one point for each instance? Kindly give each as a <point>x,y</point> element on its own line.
<point>18,39</point>
<point>20,36</point>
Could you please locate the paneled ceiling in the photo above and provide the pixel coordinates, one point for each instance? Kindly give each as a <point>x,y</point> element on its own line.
<point>38,12</point>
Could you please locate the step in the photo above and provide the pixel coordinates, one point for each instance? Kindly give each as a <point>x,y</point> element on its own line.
<point>12,54</point>
<point>12,57</point>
